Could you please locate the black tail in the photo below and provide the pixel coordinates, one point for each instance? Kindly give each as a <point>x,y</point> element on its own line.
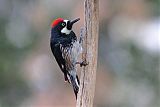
<point>75,84</point>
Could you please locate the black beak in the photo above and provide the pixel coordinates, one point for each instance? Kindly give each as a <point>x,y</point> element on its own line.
<point>74,21</point>
<point>70,24</point>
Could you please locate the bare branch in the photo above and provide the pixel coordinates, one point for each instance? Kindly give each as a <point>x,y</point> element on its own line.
<point>90,51</point>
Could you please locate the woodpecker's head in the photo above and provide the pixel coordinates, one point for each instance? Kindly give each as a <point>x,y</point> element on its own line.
<point>65,26</point>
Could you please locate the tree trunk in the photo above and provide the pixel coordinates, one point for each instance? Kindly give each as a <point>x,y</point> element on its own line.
<point>90,51</point>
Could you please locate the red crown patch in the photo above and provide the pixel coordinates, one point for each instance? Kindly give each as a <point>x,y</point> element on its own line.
<point>55,22</point>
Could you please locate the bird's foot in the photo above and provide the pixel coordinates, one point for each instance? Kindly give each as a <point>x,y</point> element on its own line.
<point>83,63</point>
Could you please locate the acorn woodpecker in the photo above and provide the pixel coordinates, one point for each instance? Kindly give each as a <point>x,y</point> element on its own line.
<point>66,48</point>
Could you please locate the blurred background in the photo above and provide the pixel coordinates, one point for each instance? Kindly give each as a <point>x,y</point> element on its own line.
<point>129,50</point>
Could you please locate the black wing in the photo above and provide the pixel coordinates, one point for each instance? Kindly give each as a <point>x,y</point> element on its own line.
<point>60,48</point>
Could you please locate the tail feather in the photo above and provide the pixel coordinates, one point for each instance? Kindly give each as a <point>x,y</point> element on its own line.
<point>75,84</point>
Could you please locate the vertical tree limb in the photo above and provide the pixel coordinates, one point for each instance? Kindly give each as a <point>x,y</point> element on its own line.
<point>90,51</point>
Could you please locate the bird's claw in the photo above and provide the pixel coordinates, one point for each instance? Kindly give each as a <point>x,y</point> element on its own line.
<point>83,63</point>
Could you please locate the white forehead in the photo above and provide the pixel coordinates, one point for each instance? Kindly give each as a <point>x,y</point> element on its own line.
<point>66,21</point>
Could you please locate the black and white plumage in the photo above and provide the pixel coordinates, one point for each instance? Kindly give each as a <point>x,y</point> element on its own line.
<point>66,48</point>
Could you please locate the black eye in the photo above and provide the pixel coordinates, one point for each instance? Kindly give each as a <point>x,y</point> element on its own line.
<point>63,24</point>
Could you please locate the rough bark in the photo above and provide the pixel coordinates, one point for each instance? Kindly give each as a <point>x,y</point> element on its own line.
<point>90,51</point>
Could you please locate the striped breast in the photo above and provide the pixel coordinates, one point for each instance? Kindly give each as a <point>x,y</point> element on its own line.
<point>70,54</point>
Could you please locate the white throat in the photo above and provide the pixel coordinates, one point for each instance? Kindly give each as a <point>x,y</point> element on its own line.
<point>65,30</point>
